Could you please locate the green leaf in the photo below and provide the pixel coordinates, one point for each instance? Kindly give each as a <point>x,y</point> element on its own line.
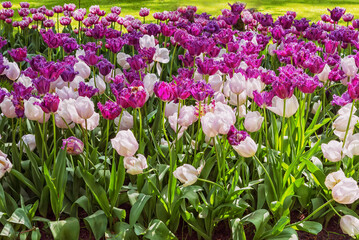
<point>25,181</point>
<point>138,207</point>
<point>237,229</point>
<point>310,227</point>
<point>287,234</point>
<point>280,225</point>
<point>157,230</point>
<point>20,217</point>
<point>123,231</point>
<point>65,229</point>
<point>97,190</point>
<point>259,218</point>
<point>36,235</point>
<point>97,223</point>
<point>8,231</point>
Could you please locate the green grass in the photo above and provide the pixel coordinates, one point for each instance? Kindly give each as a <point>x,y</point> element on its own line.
<point>309,9</point>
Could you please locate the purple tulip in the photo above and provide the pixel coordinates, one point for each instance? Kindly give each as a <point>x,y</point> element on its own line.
<point>110,110</point>
<point>50,103</point>
<point>235,137</point>
<point>164,91</point>
<point>73,145</point>
<point>18,54</point>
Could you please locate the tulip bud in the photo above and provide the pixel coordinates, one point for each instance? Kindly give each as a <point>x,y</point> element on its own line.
<point>351,147</point>
<point>246,148</point>
<point>187,116</point>
<point>237,83</point>
<point>332,151</point>
<point>348,66</point>
<point>350,225</point>
<point>28,140</point>
<point>5,164</point>
<point>346,191</point>
<point>135,165</point>
<point>74,146</point>
<point>253,121</point>
<point>126,121</point>
<point>171,108</point>
<point>85,107</point>
<point>333,178</point>
<point>125,143</point>
<point>187,174</point>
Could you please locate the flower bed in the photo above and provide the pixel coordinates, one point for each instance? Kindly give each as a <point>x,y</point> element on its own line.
<point>139,130</point>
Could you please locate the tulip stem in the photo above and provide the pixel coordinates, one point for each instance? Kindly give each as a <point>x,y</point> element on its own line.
<point>163,124</point>
<point>173,56</point>
<point>283,127</point>
<point>312,214</point>
<point>107,135</point>
<point>348,125</point>
<point>269,177</point>
<point>87,145</point>
<point>140,118</point>
<point>266,126</point>
<point>54,127</point>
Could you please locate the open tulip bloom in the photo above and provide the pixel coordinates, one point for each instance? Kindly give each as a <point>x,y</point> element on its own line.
<point>177,118</point>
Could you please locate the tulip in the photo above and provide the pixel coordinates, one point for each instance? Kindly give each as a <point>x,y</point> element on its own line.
<point>100,84</point>
<point>346,191</point>
<point>84,107</point>
<point>147,41</point>
<point>332,151</point>
<point>8,108</point>
<point>29,140</point>
<point>122,60</point>
<point>187,174</point>
<point>237,83</point>
<point>125,143</point>
<point>149,82</point>
<point>350,225</point>
<point>5,164</point>
<point>83,69</point>
<point>126,121</point>
<point>246,148</point>
<point>187,116</point>
<point>253,121</point>
<point>216,82</point>
<point>92,122</point>
<point>73,145</point>
<point>334,178</point>
<point>315,107</point>
<point>323,76</point>
<point>13,72</point>
<point>351,147</point>
<point>348,66</point>
<point>135,165</point>
<point>291,106</point>
<point>171,108</point>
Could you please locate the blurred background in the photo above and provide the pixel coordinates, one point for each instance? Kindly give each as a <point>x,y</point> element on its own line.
<point>311,9</point>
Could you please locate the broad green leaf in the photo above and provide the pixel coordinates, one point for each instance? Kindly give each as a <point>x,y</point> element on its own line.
<point>237,229</point>
<point>20,217</point>
<point>287,234</point>
<point>97,223</point>
<point>157,230</point>
<point>25,181</point>
<point>138,207</point>
<point>310,226</point>
<point>65,229</point>
<point>259,218</point>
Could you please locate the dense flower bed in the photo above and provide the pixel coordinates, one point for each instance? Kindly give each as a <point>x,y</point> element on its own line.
<point>189,121</point>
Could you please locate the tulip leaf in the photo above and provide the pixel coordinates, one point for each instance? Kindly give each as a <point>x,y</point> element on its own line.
<point>138,207</point>
<point>65,229</point>
<point>157,230</point>
<point>20,217</point>
<point>25,181</point>
<point>97,222</point>
<point>310,227</point>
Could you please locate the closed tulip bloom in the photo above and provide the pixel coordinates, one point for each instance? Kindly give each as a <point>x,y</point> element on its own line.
<point>171,108</point>
<point>8,108</point>
<point>334,178</point>
<point>122,60</point>
<point>85,107</point>
<point>348,66</point>
<point>246,148</point>
<point>126,121</point>
<point>147,41</point>
<point>100,84</point>
<point>33,112</point>
<point>13,72</point>
<point>332,151</point>
<point>83,69</point>
<point>149,82</point>
<point>91,123</point>
<point>210,124</point>
<point>135,165</point>
<point>125,143</point>
<point>5,164</point>
<point>278,106</point>
<point>73,145</point>
<point>323,76</point>
<point>187,174</point>
<point>253,121</point>
<point>237,83</point>
<point>351,147</point>
<point>187,116</point>
<point>28,140</point>
<point>216,82</point>
<point>341,122</point>
<point>346,191</point>
<point>350,225</point>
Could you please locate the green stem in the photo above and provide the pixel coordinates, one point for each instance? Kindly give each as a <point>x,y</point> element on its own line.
<point>54,128</point>
<point>348,125</point>
<point>269,177</point>
<point>210,182</point>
